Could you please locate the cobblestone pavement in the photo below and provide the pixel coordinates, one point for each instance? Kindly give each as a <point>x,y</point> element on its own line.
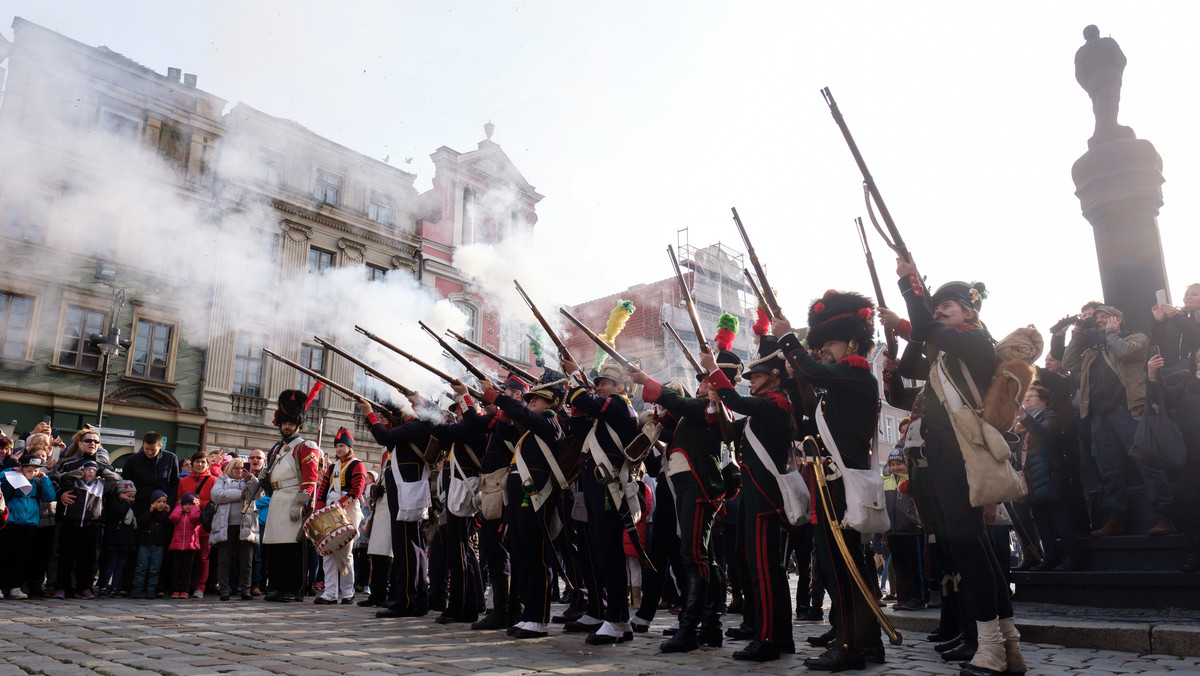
<point>207,636</point>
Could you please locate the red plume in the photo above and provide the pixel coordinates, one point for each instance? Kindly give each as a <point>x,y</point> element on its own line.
<point>762,324</point>
<point>312,394</point>
<point>865,314</point>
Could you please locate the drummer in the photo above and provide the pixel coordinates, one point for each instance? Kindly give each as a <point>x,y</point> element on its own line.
<point>342,483</point>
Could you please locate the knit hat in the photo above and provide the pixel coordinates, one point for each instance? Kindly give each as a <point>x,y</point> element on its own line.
<point>343,436</point>
<point>127,487</point>
<point>897,454</point>
<point>188,498</point>
<point>33,461</point>
<point>89,463</point>
<point>156,495</point>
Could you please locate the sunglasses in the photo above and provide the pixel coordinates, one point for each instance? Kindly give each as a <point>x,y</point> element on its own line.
<point>89,441</point>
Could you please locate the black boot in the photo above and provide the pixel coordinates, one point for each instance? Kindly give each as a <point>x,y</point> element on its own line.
<point>823,640</point>
<point>949,645</point>
<point>710,619</point>
<point>497,617</point>
<point>836,659</point>
<point>964,651</point>
<point>685,639</point>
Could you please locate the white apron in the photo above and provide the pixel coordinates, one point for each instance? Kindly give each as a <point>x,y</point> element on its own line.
<point>281,529</point>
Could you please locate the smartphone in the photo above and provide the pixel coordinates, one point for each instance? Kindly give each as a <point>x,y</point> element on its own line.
<point>46,419</point>
<point>1160,297</point>
<point>1154,352</point>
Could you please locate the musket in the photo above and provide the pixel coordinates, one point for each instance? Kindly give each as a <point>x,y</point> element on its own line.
<point>687,354</point>
<point>600,342</point>
<point>367,368</point>
<point>768,295</point>
<point>689,301</point>
<point>474,370</point>
<point>432,369</point>
<point>888,335</point>
<point>558,344</point>
<point>506,363</point>
<point>320,378</point>
<point>895,242</point>
<point>762,302</point>
<point>835,527</point>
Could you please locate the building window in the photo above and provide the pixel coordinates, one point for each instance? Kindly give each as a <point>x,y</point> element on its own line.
<point>119,127</point>
<point>99,240</point>
<point>248,365</point>
<point>74,350</point>
<point>380,209</point>
<point>173,146</point>
<point>270,167</point>
<point>16,317</point>
<point>891,429</point>
<point>328,187</point>
<point>312,357</point>
<point>370,387</point>
<point>471,330</point>
<point>513,344</point>
<point>26,216</point>
<point>376,273</point>
<point>319,261</point>
<point>151,356</point>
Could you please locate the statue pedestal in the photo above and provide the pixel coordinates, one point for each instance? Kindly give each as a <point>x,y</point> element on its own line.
<point>1119,186</point>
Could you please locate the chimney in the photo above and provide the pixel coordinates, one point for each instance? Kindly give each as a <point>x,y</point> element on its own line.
<point>174,73</point>
<point>189,79</point>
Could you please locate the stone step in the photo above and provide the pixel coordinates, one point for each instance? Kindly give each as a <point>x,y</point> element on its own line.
<point>1111,589</point>
<point>1133,552</point>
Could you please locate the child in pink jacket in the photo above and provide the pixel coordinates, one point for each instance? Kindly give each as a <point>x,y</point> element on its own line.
<point>185,542</point>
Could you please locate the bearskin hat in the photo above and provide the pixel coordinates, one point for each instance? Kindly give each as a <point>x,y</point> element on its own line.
<point>343,436</point>
<point>972,294</point>
<point>551,387</point>
<point>842,315</point>
<point>292,404</point>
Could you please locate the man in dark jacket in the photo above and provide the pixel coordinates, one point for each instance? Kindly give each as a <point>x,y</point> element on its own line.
<point>151,469</point>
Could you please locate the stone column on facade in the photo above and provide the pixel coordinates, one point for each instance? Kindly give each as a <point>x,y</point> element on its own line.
<point>1119,185</point>
<point>287,335</point>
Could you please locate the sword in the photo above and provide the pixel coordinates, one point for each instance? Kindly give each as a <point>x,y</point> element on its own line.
<point>836,527</point>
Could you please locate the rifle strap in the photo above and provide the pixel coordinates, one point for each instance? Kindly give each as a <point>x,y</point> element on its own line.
<point>871,213</point>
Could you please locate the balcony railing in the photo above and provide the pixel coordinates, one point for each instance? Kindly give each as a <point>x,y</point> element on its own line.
<point>249,406</point>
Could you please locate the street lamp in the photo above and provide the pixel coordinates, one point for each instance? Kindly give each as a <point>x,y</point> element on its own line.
<point>110,345</point>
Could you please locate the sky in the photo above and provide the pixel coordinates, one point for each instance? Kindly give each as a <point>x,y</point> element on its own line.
<point>639,120</point>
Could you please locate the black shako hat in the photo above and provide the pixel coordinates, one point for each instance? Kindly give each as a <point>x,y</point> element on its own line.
<point>292,404</point>
<point>770,359</point>
<point>972,294</point>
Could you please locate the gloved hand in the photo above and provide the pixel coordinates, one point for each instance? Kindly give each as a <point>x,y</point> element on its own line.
<point>298,504</point>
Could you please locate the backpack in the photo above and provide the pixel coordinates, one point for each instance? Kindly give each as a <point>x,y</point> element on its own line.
<point>1015,356</point>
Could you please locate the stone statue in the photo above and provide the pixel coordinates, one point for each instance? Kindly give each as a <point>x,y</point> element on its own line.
<point>1099,64</point>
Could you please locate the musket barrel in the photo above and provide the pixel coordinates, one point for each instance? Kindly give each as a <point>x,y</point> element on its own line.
<point>506,363</point>
<point>558,344</point>
<point>456,355</point>
<point>428,367</point>
<point>370,370</point>
<point>600,342</point>
<point>322,379</point>
<point>767,292</point>
<point>687,354</point>
<point>691,302</point>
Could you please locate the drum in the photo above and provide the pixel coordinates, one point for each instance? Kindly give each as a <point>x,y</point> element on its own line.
<point>330,529</point>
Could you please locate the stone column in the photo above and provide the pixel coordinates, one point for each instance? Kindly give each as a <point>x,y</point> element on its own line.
<point>1119,185</point>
